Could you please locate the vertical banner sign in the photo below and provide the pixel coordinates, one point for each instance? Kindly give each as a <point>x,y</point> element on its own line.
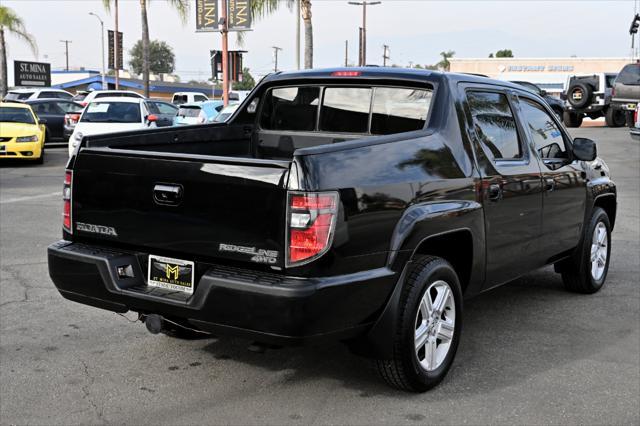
<point>111,44</point>
<point>207,15</point>
<point>239,15</point>
<point>35,74</point>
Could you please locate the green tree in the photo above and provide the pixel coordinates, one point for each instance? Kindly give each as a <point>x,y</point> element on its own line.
<point>504,53</point>
<point>247,83</point>
<point>444,63</point>
<point>161,58</point>
<point>10,23</point>
<point>181,6</point>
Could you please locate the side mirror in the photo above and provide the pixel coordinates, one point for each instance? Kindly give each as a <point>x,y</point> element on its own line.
<point>42,121</point>
<point>584,149</point>
<point>543,93</point>
<point>152,118</point>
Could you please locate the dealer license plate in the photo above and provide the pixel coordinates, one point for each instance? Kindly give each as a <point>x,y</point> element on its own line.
<point>632,107</point>
<point>171,274</point>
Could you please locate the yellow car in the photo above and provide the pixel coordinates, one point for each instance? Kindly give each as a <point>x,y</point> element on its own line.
<point>21,134</point>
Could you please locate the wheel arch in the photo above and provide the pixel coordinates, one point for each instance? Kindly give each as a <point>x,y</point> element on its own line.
<point>609,204</point>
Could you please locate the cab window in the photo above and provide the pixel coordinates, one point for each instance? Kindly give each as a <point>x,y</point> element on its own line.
<point>345,109</point>
<point>544,132</point>
<point>494,124</point>
<point>200,98</point>
<point>291,108</point>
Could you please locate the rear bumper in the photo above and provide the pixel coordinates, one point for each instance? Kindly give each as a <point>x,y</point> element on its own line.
<point>267,307</point>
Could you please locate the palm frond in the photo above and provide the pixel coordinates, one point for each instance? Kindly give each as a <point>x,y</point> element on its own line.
<point>13,24</point>
<point>182,7</point>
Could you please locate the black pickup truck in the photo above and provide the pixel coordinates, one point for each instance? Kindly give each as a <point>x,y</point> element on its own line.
<point>358,204</point>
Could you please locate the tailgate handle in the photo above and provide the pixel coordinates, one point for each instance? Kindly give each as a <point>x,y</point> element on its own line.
<point>167,194</point>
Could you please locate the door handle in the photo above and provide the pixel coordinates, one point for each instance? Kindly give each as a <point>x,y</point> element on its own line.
<point>494,192</point>
<point>167,194</point>
<point>549,184</point>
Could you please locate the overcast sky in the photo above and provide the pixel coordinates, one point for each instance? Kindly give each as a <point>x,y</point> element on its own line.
<point>416,31</point>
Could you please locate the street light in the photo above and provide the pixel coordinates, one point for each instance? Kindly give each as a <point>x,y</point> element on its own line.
<point>104,75</point>
<point>363,32</point>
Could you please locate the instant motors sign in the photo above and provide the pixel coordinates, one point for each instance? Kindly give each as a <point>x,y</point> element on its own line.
<point>37,74</point>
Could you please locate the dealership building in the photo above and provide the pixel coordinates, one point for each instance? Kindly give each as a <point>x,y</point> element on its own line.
<point>549,73</point>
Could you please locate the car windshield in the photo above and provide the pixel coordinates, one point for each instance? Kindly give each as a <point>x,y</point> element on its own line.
<point>189,111</point>
<point>80,97</point>
<point>112,112</point>
<point>16,115</point>
<point>17,96</point>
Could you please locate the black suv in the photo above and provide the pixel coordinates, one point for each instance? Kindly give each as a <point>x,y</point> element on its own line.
<point>590,95</point>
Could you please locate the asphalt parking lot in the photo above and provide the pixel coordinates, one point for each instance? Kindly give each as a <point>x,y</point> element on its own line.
<point>531,353</point>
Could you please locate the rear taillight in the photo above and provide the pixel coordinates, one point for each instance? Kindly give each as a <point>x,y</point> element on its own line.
<point>311,223</point>
<point>635,116</point>
<point>72,118</point>
<point>66,198</point>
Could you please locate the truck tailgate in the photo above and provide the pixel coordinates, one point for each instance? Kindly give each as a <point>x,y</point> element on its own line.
<point>218,207</point>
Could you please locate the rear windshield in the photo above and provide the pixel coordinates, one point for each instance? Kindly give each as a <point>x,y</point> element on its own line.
<point>629,75</point>
<point>112,112</point>
<point>17,96</point>
<point>179,99</point>
<point>190,111</point>
<point>16,115</point>
<point>359,110</point>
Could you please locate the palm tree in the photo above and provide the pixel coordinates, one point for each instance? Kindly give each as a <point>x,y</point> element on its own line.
<point>12,24</point>
<point>182,6</point>
<point>444,63</point>
<point>305,9</point>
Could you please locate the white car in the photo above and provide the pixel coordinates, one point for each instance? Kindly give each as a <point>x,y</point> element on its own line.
<point>107,115</point>
<point>28,94</point>
<point>98,94</point>
<point>180,98</point>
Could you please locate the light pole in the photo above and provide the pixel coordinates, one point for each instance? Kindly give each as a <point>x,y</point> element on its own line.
<point>104,75</point>
<point>276,49</point>
<point>363,43</point>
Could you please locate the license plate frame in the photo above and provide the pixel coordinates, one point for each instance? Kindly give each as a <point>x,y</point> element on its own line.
<point>171,274</point>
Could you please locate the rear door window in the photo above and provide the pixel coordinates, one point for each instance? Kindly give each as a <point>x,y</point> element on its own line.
<point>397,110</point>
<point>494,124</point>
<point>345,110</point>
<point>291,108</point>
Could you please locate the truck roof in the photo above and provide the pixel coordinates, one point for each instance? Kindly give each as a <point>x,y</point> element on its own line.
<point>408,74</point>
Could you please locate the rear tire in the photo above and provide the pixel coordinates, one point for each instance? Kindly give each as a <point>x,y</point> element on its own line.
<point>588,271</point>
<point>572,119</point>
<point>428,329</point>
<point>615,117</point>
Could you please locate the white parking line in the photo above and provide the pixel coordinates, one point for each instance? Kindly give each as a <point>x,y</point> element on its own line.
<point>29,198</point>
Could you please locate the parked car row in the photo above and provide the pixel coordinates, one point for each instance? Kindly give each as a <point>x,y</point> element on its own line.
<point>65,118</point>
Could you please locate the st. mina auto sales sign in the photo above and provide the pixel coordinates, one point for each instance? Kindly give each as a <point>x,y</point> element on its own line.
<point>31,74</point>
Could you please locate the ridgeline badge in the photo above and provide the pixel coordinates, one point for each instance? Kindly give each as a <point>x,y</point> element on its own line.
<point>96,229</point>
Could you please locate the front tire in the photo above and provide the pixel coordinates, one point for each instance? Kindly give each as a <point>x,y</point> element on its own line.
<point>588,272</point>
<point>428,329</point>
